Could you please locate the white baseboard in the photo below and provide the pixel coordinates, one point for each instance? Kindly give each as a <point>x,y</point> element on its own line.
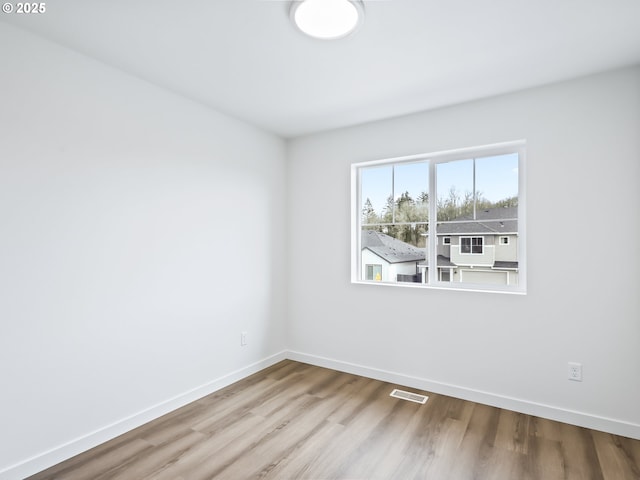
<point>610,425</point>
<point>63,452</point>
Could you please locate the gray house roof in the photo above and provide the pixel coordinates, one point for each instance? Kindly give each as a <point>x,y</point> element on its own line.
<point>495,221</point>
<point>389,248</point>
<point>503,264</point>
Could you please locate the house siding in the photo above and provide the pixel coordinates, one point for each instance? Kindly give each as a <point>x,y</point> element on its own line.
<point>406,268</point>
<point>370,258</point>
<point>486,258</point>
<point>390,271</point>
<point>507,253</point>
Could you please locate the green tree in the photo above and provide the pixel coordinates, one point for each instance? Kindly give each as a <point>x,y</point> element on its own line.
<point>422,207</point>
<point>405,208</point>
<point>368,213</point>
<point>452,205</point>
<point>388,216</point>
<point>404,214</point>
<point>507,202</point>
<point>455,206</point>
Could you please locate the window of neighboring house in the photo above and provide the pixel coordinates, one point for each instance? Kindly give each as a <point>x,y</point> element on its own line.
<point>374,272</point>
<point>445,275</point>
<point>409,211</point>
<point>471,245</point>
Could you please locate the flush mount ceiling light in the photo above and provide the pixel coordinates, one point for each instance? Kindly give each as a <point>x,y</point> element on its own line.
<point>327,19</point>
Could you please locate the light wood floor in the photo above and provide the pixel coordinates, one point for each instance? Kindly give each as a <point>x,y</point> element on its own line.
<point>296,421</point>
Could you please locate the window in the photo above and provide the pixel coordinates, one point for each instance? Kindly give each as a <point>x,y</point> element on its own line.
<point>449,210</point>
<point>471,245</point>
<point>374,272</point>
<point>445,275</point>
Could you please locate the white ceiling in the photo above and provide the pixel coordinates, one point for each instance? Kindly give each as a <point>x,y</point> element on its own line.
<point>245,58</point>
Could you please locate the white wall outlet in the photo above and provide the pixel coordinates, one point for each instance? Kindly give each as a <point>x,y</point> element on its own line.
<point>243,339</point>
<point>575,371</point>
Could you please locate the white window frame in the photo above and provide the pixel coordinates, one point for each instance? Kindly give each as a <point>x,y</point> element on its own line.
<point>506,237</point>
<point>446,240</point>
<point>435,158</point>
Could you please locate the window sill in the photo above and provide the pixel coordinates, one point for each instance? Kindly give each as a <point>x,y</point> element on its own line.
<point>445,286</point>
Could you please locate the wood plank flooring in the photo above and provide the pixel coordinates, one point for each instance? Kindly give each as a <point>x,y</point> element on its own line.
<point>296,421</point>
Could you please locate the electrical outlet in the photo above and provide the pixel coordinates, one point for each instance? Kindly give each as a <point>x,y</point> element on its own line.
<point>575,371</point>
<point>243,339</point>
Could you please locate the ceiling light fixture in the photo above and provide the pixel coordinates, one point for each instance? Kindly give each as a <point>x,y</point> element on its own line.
<point>327,19</point>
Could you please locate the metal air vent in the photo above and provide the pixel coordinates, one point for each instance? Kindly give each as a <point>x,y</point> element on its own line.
<point>412,397</point>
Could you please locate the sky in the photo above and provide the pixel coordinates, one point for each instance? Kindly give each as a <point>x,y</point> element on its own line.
<point>496,179</point>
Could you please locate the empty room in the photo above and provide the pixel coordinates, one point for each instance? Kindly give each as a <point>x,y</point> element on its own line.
<point>320,239</point>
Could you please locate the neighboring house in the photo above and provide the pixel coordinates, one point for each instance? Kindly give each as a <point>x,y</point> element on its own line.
<point>386,259</point>
<point>482,250</point>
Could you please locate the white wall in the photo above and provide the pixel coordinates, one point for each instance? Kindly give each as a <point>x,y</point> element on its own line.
<point>583,153</point>
<point>140,234</point>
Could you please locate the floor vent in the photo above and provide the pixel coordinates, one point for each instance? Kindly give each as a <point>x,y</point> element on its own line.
<point>412,397</point>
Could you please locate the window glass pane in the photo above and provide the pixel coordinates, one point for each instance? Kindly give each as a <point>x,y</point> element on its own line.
<point>395,214</point>
<point>476,245</point>
<point>465,245</point>
<point>477,202</point>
